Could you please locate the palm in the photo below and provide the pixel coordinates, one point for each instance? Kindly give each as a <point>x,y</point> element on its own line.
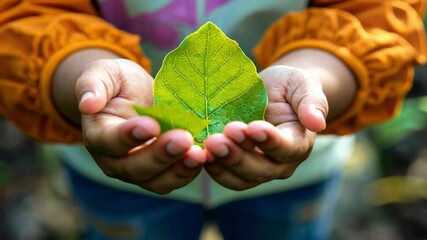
<point>127,146</point>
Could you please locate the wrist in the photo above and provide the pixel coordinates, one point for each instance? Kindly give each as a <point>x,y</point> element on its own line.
<point>65,77</point>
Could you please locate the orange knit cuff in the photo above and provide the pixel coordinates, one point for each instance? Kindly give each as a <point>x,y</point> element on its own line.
<point>382,62</point>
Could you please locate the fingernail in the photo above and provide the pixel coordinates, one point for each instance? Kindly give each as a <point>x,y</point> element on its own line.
<point>86,96</point>
<point>210,158</point>
<point>321,115</point>
<point>174,148</point>
<point>239,137</point>
<point>190,163</point>
<point>136,133</point>
<point>221,151</point>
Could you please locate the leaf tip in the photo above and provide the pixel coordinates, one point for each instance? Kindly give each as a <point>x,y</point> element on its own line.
<point>210,26</point>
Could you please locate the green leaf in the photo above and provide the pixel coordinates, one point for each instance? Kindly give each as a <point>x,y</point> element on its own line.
<point>172,118</point>
<point>209,75</point>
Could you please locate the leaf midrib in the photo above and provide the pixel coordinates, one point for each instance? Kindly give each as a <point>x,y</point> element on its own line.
<point>206,79</point>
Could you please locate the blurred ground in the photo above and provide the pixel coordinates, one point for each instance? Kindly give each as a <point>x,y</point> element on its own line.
<point>34,201</point>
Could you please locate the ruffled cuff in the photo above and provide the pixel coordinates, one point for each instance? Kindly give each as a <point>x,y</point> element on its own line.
<point>382,62</point>
<point>33,58</point>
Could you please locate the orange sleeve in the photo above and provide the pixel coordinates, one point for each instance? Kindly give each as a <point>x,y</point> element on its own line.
<point>35,36</point>
<point>380,41</point>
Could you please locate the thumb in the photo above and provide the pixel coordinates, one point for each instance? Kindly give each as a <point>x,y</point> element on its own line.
<point>300,90</point>
<point>94,88</point>
<point>312,107</point>
<point>91,102</point>
<point>312,116</point>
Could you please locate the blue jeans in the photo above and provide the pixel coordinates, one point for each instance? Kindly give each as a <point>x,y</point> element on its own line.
<point>303,213</point>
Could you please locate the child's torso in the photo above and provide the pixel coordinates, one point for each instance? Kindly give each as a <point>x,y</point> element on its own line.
<point>162,24</point>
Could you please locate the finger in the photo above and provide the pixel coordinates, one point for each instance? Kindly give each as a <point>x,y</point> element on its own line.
<point>223,176</point>
<point>228,179</point>
<point>135,132</point>
<point>280,112</point>
<point>302,90</point>
<point>150,160</point>
<point>176,177</point>
<point>135,84</point>
<point>311,103</point>
<point>236,132</point>
<point>179,175</point>
<point>253,166</point>
<point>312,115</point>
<point>195,157</point>
<point>116,139</point>
<point>94,87</point>
<point>289,142</point>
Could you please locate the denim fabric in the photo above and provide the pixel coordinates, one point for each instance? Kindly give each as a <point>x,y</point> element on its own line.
<point>303,213</point>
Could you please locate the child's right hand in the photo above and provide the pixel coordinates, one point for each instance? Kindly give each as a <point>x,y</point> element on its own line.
<point>127,146</point>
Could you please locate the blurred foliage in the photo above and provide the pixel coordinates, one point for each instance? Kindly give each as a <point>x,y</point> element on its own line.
<point>412,118</point>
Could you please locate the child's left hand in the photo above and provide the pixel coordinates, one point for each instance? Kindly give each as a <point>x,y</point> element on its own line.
<point>246,155</point>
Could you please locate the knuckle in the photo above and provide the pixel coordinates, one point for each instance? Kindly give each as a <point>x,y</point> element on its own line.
<point>239,185</point>
<point>105,168</point>
<point>132,174</point>
<point>158,190</point>
<point>99,63</point>
<point>164,191</point>
<point>287,173</point>
<point>215,170</point>
<point>242,187</point>
<point>88,137</point>
<point>266,176</point>
<point>109,172</point>
<point>238,188</point>
<point>183,173</point>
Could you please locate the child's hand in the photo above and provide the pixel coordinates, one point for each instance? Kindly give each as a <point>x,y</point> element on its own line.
<point>246,155</point>
<point>127,146</point>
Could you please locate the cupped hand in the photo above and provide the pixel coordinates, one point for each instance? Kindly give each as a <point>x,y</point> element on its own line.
<point>246,155</point>
<point>127,146</point>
